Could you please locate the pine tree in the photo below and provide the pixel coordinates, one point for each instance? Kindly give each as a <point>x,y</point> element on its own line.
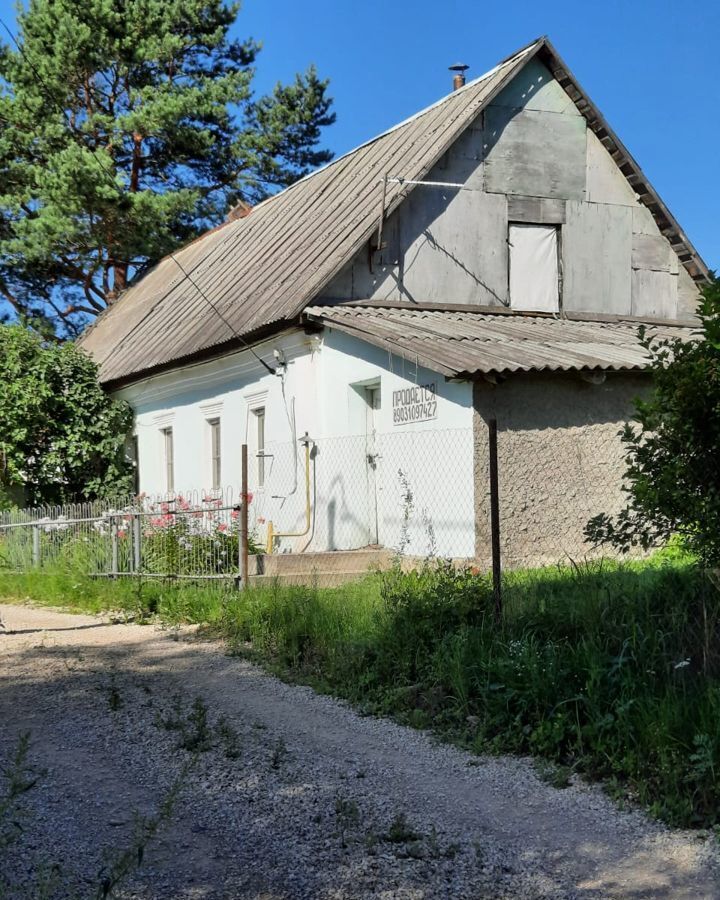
<point>128,127</point>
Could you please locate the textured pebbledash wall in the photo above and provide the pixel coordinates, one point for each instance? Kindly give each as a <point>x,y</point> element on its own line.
<point>560,461</point>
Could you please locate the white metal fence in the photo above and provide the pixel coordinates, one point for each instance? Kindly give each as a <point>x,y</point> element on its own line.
<point>183,536</point>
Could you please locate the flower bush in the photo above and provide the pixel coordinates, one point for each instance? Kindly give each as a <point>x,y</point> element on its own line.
<point>182,539</point>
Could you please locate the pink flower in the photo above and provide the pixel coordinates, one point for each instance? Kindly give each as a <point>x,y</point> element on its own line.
<point>222,527</point>
<point>163,521</point>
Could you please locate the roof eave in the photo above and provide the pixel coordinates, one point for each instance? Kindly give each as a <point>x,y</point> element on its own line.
<point>245,342</point>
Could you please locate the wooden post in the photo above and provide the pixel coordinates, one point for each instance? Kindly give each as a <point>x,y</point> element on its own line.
<point>244,559</point>
<point>495,517</point>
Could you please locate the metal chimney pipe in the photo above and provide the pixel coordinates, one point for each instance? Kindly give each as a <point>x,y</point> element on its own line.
<point>459,77</point>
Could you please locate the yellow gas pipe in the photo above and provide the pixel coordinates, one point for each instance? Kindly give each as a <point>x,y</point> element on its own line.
<point>271,535</point>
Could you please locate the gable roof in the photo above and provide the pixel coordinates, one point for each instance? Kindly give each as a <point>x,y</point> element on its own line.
<point>263,270</point>
<point>460,343</point>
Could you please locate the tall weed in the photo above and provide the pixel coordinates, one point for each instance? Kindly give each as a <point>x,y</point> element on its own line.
<point>612,670</point>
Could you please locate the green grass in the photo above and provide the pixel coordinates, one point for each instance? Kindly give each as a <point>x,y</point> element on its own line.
<point>608,670</point>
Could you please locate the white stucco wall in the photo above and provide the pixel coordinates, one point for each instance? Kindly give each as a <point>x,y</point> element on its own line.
<point>323,391</point>
<point>435,456</point>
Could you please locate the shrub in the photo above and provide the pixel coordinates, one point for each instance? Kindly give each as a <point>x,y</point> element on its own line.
<point>672,451</point>
<point>62,438</point>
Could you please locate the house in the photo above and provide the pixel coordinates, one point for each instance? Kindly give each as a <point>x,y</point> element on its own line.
<point>490,258</point>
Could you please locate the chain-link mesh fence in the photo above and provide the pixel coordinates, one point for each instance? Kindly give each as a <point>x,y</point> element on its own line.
<point>332,510</point>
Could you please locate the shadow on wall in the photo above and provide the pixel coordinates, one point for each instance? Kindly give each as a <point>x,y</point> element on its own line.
<point>442,244</point>
<point>536,402</point>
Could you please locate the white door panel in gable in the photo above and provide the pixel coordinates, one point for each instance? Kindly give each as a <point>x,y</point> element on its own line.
<point>534,267</point>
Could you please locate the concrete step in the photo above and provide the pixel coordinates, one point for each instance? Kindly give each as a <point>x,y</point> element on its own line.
<point>332,561</point>
<point>310,578</point>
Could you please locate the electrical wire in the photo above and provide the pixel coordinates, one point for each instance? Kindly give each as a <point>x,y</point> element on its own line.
<point>113,182</point>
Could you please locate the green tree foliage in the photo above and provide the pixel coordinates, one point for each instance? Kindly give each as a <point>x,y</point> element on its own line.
<point>126,129</point>
<point>62,438</point>
<point>673,450</point>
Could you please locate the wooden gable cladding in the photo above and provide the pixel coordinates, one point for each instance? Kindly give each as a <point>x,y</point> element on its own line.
<point>532,159</point>
<point>537,210</point>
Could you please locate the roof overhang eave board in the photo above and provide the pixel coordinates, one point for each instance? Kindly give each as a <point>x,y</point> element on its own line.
<point>247,342</point>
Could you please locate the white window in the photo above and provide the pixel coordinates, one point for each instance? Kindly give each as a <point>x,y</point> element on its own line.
<point>169,458</point>
<point>215,457</point>
<point>259,414</point>
<point>534,271</point>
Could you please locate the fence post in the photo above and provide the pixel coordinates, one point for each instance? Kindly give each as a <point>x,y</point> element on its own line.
<point>137,538</point>
<point>36,546</point>
<point>114,545</point>
<point>495,517</point>
<point>244,558</point>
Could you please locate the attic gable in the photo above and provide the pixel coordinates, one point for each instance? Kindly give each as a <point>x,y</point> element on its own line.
<point>527,157</point>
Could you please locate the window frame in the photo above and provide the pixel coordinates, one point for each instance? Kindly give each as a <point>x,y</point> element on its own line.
<point>135,452</point>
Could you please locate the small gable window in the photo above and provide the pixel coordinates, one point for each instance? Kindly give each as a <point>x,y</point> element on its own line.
<point>534,268</point>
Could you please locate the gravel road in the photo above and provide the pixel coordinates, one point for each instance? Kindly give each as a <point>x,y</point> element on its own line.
<point>296,796</point>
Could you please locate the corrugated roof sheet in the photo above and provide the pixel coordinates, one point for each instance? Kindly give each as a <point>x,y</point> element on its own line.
<point>267,267</point>
<point>458,344</point>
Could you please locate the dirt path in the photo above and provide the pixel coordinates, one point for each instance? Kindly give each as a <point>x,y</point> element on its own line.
<point>298,798</point>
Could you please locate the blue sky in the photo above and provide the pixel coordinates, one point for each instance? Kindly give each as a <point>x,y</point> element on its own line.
<point>653,68</point>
